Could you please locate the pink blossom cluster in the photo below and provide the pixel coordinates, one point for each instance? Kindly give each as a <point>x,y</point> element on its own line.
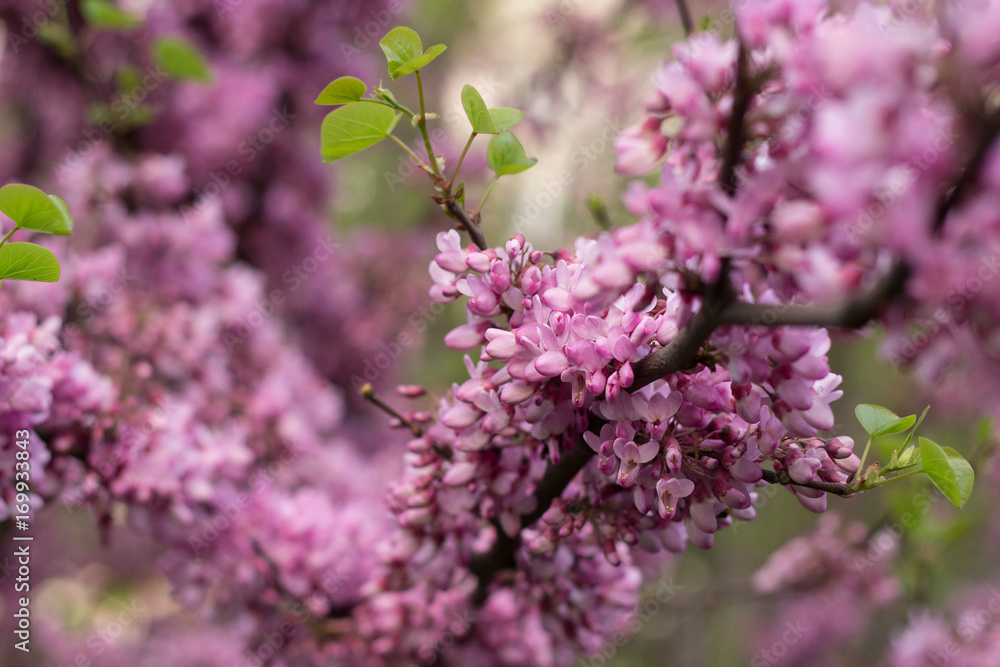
<point>676,460</point>
<point>858,121</point>
<point>165,378</point>
<point>55,396</point>
<point>184,391</point>
<point>970,635</point>
<point>826,586</point>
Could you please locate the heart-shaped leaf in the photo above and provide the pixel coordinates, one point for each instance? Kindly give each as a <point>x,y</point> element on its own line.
<point>181,60</point>
<point>505,118</point>
<point>400,45</point>
<point>27,261</point>
<point>877,420</point>
<point>476,111</point>
<point>344,90</point>
<point>419,62</point>
<point>948,470</point>
<point>405,52</point>
<point>105,15</point>
<point>506,156</point>
<point>355,127</point>
<point>66,229</point>
<point>30,208</point>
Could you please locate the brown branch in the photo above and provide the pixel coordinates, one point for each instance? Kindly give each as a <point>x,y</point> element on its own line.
<point>680,355</point>
<point>367,392</point>
<point>782,478</point>
<point>988,132</point>
<point>736,128</point>
<point>851,314</point>
<point>686,21</point>
<point>456,211</point>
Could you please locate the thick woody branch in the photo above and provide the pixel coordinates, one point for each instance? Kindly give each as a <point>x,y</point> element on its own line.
<point>736,129</point>
<point>988,132</point>
<point>835,488</point>
<point>850,314</point>
<point>456,211</point>
<point>680,355</point>
<point>685,13</point>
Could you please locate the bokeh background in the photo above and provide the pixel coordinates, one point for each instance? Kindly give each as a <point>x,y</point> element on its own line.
<point>154,197</point>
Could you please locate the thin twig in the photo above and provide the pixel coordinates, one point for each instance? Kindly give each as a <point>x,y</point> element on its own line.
<point>456,211</point>
<point>736,128</point>
<point>680,355</point>
<point>851,314</point>
<point>686,21</point>
<point>836,488</point>
<point>988,132</point>
<point>368,393</point>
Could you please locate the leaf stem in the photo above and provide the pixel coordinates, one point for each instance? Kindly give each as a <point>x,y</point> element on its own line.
<point>460,160</point>
<point>9,234</point>
<point>864,455</point>
<point>422,124</point>
<point>406,148</point>
<point>885,480</point>
<point>389,102</point>
<point>487,194</point>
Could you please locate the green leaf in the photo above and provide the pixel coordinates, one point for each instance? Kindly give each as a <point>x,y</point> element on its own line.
<point>405,52</point>
<point>344,90</point>
<point>27,261</point>
<point>476,111</point>
<point>106,15</point>
<point>355,127</point>
<point>419,62</point>
<point>920,420</point>
<point>877,420</point>
<point>983,431</point>
<point>30,208</point>
<point>400,45</point>
<point>948,470</point>
<point>67,219</point>
<point>181,60</point>
<point>965,476</point>
<point>897,426</point>
<point>506,156</point>
<point>505,118</point>
<point>905,456</point>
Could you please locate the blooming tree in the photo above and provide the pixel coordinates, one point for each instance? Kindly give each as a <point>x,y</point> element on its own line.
<point>825,167</point>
